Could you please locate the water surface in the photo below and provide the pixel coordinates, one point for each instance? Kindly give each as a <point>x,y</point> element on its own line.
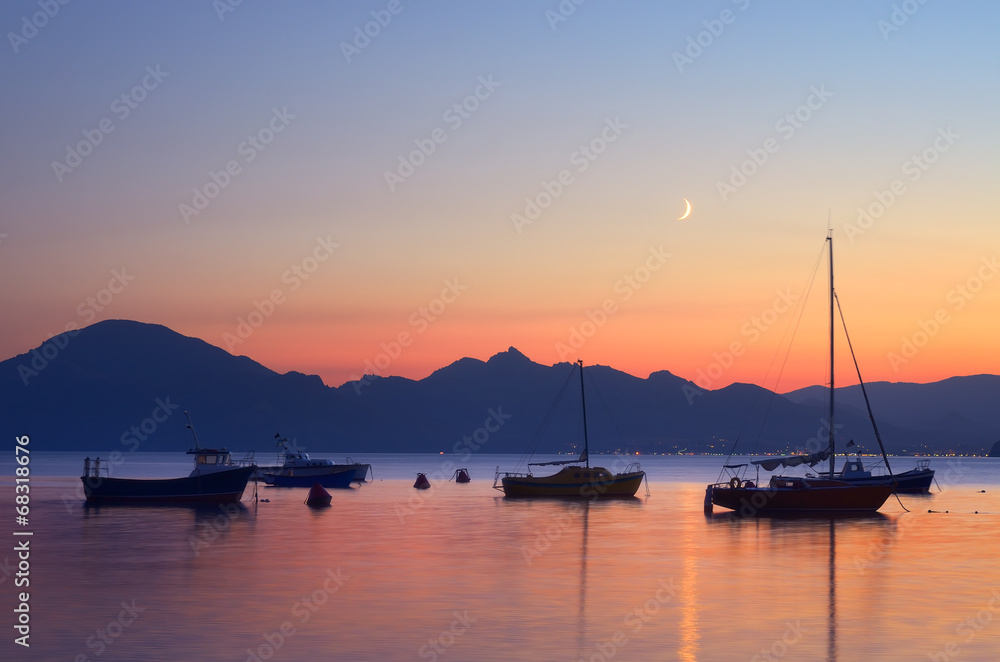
<point>458,573</point>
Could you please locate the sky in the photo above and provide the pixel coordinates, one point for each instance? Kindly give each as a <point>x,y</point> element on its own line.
<point>389,186</point>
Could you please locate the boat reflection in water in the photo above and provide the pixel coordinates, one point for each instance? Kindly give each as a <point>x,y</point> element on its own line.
<point>809,538</point>
<point>193,527</point>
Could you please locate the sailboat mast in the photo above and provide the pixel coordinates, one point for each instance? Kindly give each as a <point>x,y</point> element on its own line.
<point>829,238</point>
<point>583,399</point>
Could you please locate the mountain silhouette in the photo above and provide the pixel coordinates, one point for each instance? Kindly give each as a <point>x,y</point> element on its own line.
<point>124,385</point>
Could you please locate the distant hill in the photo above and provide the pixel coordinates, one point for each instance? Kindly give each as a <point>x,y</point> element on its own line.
<point>124,385</point>
<point>953,413</point>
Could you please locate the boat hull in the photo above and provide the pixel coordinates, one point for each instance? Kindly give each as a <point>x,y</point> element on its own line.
<point>915,481</point>
<point>574,482</point>
<point>339,479</point>
<point>216,487</point>
<point>359,471</point>
<point>801,496</point>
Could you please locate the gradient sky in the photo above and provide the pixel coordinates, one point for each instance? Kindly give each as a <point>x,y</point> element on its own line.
<point>925,86</point>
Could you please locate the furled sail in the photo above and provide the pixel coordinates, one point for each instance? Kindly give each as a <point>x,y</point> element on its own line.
<point>582,458</point>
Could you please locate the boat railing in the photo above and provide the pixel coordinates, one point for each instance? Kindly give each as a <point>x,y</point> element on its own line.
<point>738,476</point>
<point>282,455</point>
<point>923,465</point>
<point>96,468</point>
<point>633,467</point>
<point>248,460</point>
<point>500,475</point>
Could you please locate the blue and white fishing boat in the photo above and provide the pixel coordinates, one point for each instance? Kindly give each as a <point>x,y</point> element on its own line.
<point>293,463</point>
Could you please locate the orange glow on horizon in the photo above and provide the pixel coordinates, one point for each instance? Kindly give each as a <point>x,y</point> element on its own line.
<point>339,358</point>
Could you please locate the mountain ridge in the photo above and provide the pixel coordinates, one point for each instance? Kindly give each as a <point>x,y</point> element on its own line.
<point>101,381</point>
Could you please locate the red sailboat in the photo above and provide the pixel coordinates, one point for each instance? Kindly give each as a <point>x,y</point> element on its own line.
<point>797,494</point>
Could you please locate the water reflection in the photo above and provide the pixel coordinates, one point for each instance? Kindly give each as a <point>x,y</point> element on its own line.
<point>148,524</point>
<point>689,625</point>
<point>795,544</point>
<point>582,638</point>
<point>553,580</point>
<point>831,636</point>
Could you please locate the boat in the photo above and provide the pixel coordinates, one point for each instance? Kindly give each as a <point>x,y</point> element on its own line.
<point>914,481</point>
<point>291,477</point>
<point>579,480</point>
<point>214,479</point>
<point>292,462</point>
<point>785,494</point>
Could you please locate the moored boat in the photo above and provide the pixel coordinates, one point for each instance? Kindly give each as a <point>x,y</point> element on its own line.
<point>299,462</point>
<point>574,481</point>
<point>914,481</point>
<point>214,479</point>
<point>785,494</point>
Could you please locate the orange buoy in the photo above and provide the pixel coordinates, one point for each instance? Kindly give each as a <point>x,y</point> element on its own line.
<point>318,497</point>
<point>422,483</point>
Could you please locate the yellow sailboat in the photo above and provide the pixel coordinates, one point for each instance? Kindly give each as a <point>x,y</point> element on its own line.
<point>579,480</point>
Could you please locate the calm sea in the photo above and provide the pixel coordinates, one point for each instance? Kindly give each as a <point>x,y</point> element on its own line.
<point>459,573</point>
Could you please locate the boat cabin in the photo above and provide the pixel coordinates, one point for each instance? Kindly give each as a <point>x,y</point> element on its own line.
<point>211,456</point>
<point>209,460</point>
<point>854,469</point>
<point>292,457</point>
<point>301,459</point>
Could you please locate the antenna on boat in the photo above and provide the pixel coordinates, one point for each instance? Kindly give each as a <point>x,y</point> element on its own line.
<point>190,426</point>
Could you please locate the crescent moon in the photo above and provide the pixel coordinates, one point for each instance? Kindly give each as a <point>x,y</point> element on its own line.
<point>687,212</point>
